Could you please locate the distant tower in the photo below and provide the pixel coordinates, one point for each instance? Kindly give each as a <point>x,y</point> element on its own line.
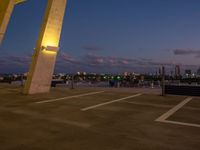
<point>159,72</point>
<point>6,9</point>
<point>44,58</point>
<point>177,70</point>
<point>198,71</point>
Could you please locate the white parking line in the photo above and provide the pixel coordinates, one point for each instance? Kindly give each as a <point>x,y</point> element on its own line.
<point>106,103</point>
<point>182,123</point>
<point>36,115</point>
<point>173,110</point>
<point>148,104</point>
<point>159,105</point>
<point>69,97</point>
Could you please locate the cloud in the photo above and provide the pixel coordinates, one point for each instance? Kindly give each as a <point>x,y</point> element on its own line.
<point>20,59</point>
<point>65,57</point>
<point>89,63</point>
<point>186,52</point>
<point>15,59</point>
<point>92,48</point>
<point>110,61</point>
<point>2,62</point>
<point>10,63</point>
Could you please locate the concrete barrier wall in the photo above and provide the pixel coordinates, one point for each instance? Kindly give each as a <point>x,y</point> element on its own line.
<point>182,90</point>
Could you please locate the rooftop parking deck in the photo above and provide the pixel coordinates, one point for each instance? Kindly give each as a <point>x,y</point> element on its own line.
<point>98,119</point>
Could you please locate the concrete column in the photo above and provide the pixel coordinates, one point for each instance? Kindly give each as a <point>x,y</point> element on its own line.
<point>6,8</point>
<point>44,57</point>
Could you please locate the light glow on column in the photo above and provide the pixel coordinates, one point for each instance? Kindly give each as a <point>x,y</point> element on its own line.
<point>50,49</point>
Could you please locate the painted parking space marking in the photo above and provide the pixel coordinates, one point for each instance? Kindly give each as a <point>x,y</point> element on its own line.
<point>69,97</point>
<point>39,116</point>
<point>174,109</point>
<point>163,118</point>
<point>148,104</point>
<point>159,105</point>
<point>182,123</point>
<point>110,102</point>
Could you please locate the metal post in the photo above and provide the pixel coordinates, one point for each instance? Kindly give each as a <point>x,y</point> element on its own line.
<point>163,81</point>
<point>22,80</point>
<point>72,82</point>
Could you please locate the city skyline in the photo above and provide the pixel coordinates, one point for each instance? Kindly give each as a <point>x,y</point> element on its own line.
<point>112,36</point>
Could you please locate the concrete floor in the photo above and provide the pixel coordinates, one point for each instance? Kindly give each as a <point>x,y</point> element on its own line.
<point>122,125</point>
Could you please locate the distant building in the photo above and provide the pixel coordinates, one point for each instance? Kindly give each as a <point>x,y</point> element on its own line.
<point>198,71</point>
<point>171,72</point>
<point>188,72</point>
<point>177,70</point>
<point>125,74</point>
<point>160,71</point>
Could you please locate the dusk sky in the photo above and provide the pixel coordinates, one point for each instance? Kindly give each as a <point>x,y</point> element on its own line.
<point>109,35</point>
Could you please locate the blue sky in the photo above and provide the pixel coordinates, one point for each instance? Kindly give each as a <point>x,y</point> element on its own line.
<point>109,35</point>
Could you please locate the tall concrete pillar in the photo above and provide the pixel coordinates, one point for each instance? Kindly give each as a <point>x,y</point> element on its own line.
<point>6,9</point>
<point>44,57</point>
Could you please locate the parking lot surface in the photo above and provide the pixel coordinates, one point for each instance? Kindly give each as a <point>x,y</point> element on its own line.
<point>97,119</point>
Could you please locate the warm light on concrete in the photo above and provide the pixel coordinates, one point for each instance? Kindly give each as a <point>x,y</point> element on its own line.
<point>19,1</point>
<point>51,48</point>
<point>44,58</point>
<point>49,52</point>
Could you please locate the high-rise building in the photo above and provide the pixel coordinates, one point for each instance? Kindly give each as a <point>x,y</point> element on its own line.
<point>177,70</point>
<point>198,71</point>
<point>160,72</point>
